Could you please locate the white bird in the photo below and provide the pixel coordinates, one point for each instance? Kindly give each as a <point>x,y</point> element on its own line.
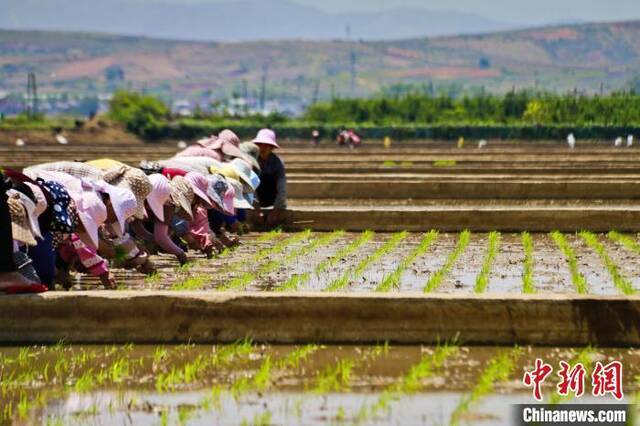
<point>20,142</point>
<point>571,140</point>
<point>629,141</point>
<point>482,144</point>
<point>182,144</point>
<point>618,142</point>
<point>61,140</point>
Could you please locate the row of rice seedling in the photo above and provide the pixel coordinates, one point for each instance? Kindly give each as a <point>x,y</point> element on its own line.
<point>316,243</point>
<point>579,281</point>
<point>192,283</point>
<point>190,372</point>
<point>622,283</point>
<point>337,377</point>
<point>344,280</point>
<point>392,280</point>
<point>296,280</point>
<point>628,242</point>
<point>482,280</point>
<point>247,277</point>
<point>528,285</point>
<point>410,383</point>
<point>258,256</point>
<point>260,380</point>
<point>499,369</point>
<point>438,276</point>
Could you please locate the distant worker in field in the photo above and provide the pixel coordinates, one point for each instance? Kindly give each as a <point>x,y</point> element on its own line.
<point>315,137</point>
<point>272,192</point>
<point>349,138</point>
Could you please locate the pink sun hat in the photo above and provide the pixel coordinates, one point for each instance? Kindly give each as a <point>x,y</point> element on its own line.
<point>159,195</point>
<point>91,210</point>
<point>266,137</point>
<point>200,185</point>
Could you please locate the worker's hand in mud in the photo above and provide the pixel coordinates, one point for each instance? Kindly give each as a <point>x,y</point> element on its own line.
<point>182,258</point>
<point>147,268</point>
<point>108,282</point>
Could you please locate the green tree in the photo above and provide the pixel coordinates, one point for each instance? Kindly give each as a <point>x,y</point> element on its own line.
<point>143,115</point>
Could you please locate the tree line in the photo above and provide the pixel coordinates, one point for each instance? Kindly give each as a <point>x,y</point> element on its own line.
<point>618,109</point>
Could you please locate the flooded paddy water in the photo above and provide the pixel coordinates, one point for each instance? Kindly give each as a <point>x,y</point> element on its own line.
<point>373,261</point>
<point>246,383</point>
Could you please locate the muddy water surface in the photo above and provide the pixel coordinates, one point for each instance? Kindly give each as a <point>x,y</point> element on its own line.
<point>229,384</point>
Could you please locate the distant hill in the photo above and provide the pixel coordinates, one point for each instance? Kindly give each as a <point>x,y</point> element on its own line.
<point>234,21</point>
<point>553,58</point>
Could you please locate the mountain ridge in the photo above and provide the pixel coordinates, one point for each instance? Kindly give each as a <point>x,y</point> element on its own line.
<point>589,57</point>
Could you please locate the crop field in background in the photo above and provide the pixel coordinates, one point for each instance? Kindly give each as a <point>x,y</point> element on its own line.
<point>430,262</point>
<point>247,383</point>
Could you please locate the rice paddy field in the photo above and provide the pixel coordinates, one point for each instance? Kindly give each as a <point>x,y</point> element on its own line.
<point>246,383</point>
<point>423,218</point>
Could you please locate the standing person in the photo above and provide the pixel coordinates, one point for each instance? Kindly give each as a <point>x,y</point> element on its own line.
<point>272,192</point>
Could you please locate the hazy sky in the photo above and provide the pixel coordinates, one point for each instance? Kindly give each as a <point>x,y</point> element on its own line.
<point>515,11</point>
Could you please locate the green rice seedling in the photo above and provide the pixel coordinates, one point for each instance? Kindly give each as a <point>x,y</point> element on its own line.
<point>293,282</point>
<point>436,278</point>
<point>364,238</point>
<point>159,355</point>
<point>482,280</point>
<point>585,357</point>
<point>499,369</point>
<point>269,236</point>
<point>623,284</point>
<point>193,370</point>
<point>85,382</point>
<point>579,281</point>
<point>23,406</point>
<point>119,370</point>
<point>263,376</point>
<point>293,359</point>
<point>392,280</point>
<point>335,378</point>
<point>192,283</point>
<point>7,411</point>
<point>185,268</point>
<point>344,280</point>
<point>388,163</point>
<point>444,163</point>
<point>243,280</point>
<point>626,241</point>
<point>154,278</point>
<point>241,348</point>
<point>411,381</point>
<point>528,285</point>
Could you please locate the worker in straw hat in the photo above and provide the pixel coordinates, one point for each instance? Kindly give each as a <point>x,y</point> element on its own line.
<point>272,192</point>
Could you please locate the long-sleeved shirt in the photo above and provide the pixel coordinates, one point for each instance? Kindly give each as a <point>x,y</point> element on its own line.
<point>74,249</point>
<point>199,228</point>
<point>273,183</point>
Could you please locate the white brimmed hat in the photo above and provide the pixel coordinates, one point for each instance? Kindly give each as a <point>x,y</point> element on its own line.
<point>239,202</point>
